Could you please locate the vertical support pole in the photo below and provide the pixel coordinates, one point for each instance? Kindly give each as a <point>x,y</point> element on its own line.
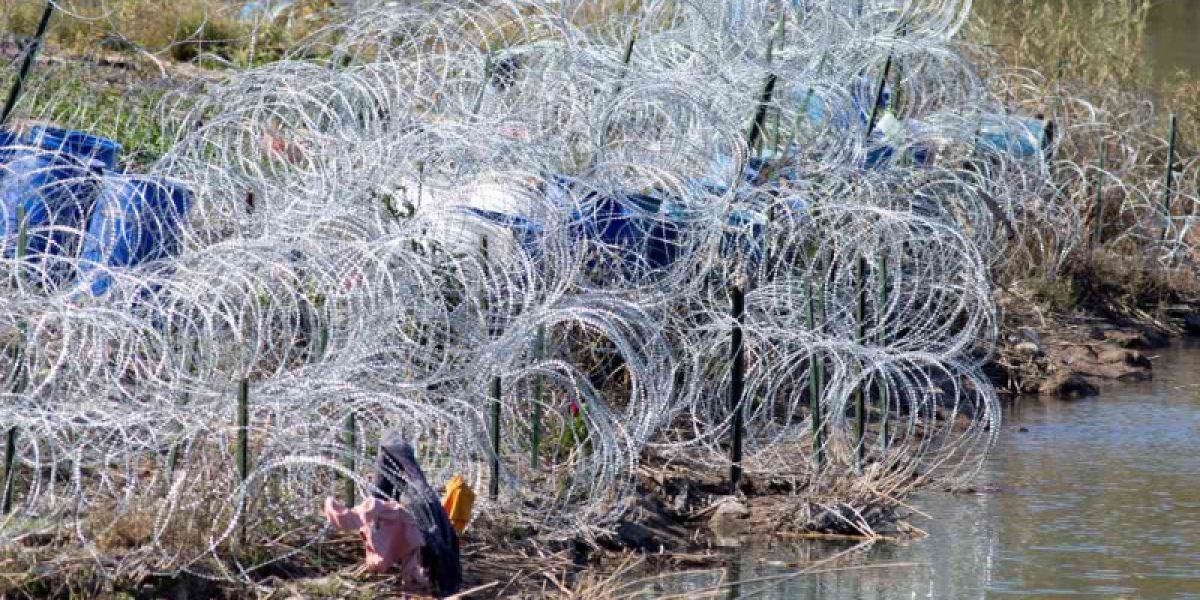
<point>22,233</point>
<point>874,119</point>
<point>30,54</point>
<point>737,384</point>
<point>815,386</point>
<point>768,243</point>
<point>350,438</point>
<point>882,385</point>
<point>495,389</point>
<point>535,446</point>
<point>1098,214</point>
<point>860,403</point>
<point>757,132</point>
<point>487,79</point>
<point>625,58</point>
<point>172,463</point>
<point>757,127</point>
<point>22,244</point>
<point>10,461</point>
<point>1170,180</point>
<point>494,385</point>
<point>243,445</point>
<point>620,85</point>
<point>10,443</point>
<point>173,453</point>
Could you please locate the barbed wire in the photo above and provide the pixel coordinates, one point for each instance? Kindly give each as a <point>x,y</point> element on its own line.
<point>385,230</point>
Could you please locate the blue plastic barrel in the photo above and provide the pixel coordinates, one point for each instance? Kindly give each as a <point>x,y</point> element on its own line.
<point>77,144</point>
<point>136,219</point>
<point>625,224</point>
<point>54,178</point>
<point>1019,137</point>
<point>8,144</point>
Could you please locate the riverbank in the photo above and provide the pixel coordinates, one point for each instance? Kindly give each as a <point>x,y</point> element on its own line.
<point>1083,352</point>
<point>601,401</point>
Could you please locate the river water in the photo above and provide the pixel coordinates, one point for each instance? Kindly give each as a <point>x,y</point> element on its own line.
<point>1098,498</point>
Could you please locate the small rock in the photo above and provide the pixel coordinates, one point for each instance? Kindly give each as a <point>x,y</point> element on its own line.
<point>732,509</point>
<point>1131,358</point>
<point>1031,335</point>
<point>1068,384</point>
<point>1077,386</point>
<point>1152,339</point>
<point>1125,339</point>
<point>636,536</point>
<point>730,517</point>
<point>1191,324</point>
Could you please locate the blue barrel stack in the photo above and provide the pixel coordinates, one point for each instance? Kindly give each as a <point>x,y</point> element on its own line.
<point>65,183</point>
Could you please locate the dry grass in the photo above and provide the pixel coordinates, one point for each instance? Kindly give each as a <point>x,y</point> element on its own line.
<point>179,30</point>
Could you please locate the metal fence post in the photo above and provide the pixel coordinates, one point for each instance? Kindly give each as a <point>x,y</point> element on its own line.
<point>737,384</point>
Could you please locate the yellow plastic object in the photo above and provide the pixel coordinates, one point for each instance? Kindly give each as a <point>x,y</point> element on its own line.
<point>458,503</point>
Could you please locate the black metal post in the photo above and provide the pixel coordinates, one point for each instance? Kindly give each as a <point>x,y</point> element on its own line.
<point>10,461</point>
<point>495,488</point>
<point>243,446</point>
<point>350,492</point>
<point>30,54</point>
<point>737,385</point>
<point>539,352</point>
<point>1170,180</point>
<point>814,384</point>
<point>1098,214</point>
<point>860,404</point>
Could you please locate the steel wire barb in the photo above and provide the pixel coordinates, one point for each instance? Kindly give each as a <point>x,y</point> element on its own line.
<point>385,228</point>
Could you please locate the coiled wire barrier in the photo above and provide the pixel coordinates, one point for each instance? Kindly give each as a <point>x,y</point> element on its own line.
<point>552,201</point>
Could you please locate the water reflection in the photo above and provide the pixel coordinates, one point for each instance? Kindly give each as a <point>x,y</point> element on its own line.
<point>1097,499</point>
<point>1172,40</point>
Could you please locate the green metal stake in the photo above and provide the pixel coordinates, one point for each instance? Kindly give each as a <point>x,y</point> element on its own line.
<point>737,385</point>
<point>1098,215</point>
<point>22,233</point>
<point>756,133</point>
<point>625,58</point>
<point>15,93</point>
<point>10,460</point>
<point>815,386</point>
<point>243,444</point>
<point>495,386</point>
<point>495,489</point>
<point>487,78</point>
<point>860,403</point>
<point>620,85</point>
<point>173,454</point>
<point>243,435</point>
<point>874,120</point>
<point>22,243</point>
<point>539,352</point>
<point>351,441</point>
<point>1170,181</point>
<point>884,401</point>
<point>10,446</point>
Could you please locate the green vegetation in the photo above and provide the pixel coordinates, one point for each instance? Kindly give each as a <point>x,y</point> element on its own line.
<point>177,30</point>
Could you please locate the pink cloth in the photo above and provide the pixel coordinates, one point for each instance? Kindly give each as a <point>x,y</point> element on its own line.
<point>390,533</point>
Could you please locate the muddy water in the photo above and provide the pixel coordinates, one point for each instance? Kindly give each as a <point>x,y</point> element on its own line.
<point>1097,498</point>
<point>1173,37</point>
